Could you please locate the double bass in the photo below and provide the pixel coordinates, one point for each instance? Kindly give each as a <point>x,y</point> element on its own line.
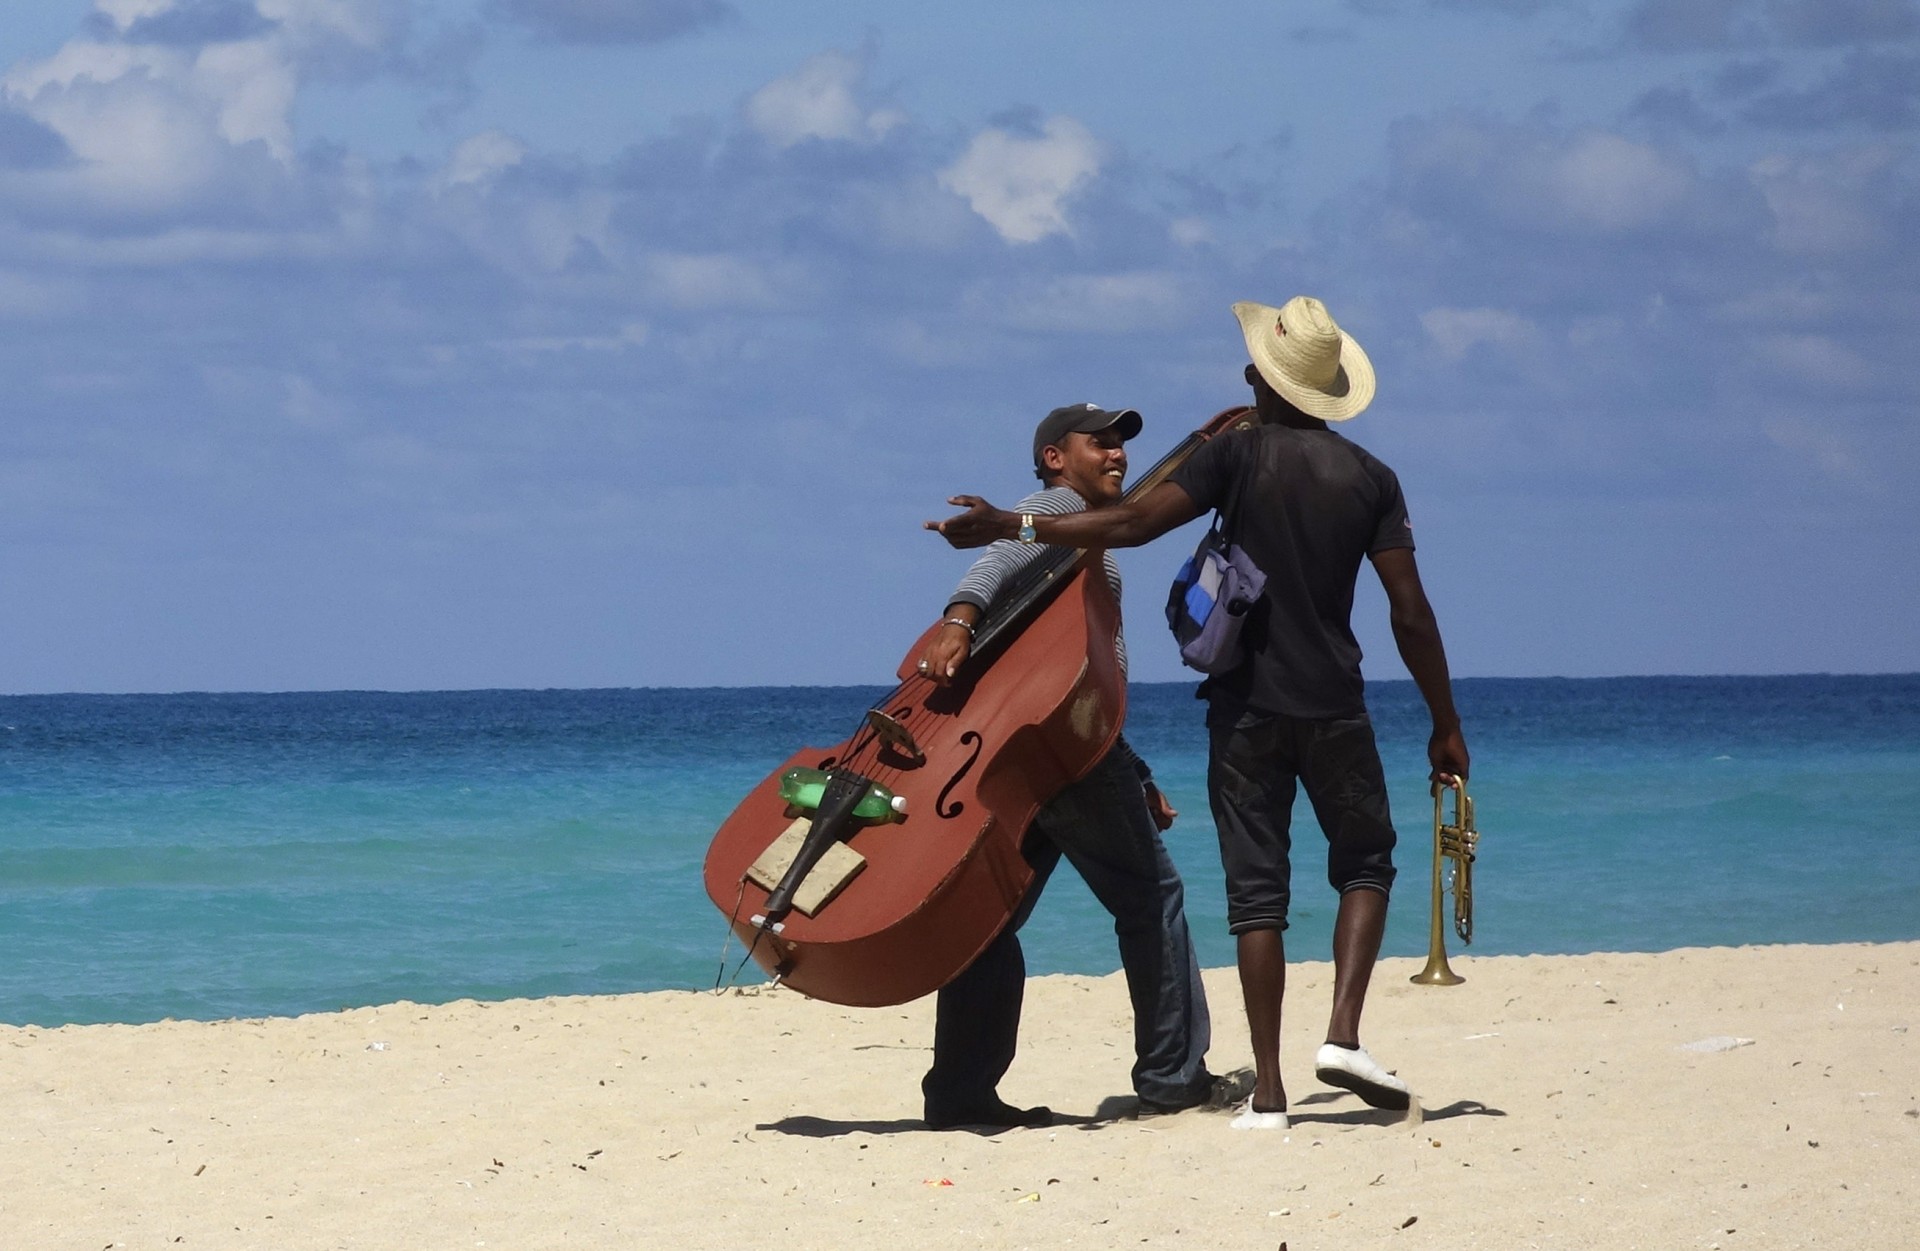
<point>872,872</point>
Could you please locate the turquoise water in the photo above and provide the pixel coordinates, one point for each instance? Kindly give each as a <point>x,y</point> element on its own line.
<point>208,856</point>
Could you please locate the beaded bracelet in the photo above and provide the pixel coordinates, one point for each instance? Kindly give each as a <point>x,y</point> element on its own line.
<point>962,622</point>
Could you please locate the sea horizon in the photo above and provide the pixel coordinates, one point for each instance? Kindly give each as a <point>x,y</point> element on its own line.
<point>841,686</point>
<point>217,854</point>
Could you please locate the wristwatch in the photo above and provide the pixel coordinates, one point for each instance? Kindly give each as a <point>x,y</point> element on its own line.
<point>1026,533</point>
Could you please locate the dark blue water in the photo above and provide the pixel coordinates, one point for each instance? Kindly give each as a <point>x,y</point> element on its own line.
<point>239,855</point>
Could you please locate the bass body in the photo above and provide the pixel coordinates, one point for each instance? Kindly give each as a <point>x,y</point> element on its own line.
<point>940,883</point>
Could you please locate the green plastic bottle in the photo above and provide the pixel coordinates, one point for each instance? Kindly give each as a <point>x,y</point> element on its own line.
<point>802,788</point>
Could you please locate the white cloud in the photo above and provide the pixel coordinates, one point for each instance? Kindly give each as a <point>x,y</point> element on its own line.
<point>1584,183</point>
<point>531,232</point>
<point>158,126</point>
<point>161,249</point>
<point>85,60</point>
<point>711,281</point>
<point>820,100</point>
<point>1021,185</point>
<point>1615,184</point>
<point>27,296</point>
<point>250,88</point>
<point>1815,359</point>
<point>152,128</point>
<point>1816,199</point>
<point>1773,305</point>
<point>1189,232</point>
<point>1456,331</point>
<point>126,12</point>
<point>944,345</point>
<point>614,21</point>
<point>307,405</point>
<point>142,138</point>
<point>530,348</point>
<point>1076,303</point>
<point>1825,446</point>
<point>631,335</point>
<point>557,229</point>
<point>307,23</point>
<point>481,157</point>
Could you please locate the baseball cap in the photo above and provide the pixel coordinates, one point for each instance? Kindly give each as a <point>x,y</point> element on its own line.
<point>1081,419</point>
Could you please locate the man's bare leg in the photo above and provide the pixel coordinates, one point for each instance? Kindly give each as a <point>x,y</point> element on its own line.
<point>1263,985</point>
<point>1341,1060</point>
<point>1356,945</point>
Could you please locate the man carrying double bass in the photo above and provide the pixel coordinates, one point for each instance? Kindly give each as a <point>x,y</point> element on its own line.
<point>1107,825</point>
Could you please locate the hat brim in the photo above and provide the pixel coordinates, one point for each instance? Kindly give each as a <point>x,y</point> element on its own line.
<point>1126,421</point>
<point>1344,398</point>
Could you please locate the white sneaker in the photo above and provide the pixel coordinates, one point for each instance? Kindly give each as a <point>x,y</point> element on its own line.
<point>1357,1071</point>
<point>1249,1119</point>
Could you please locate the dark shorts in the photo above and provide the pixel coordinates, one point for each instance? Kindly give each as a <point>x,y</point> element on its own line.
<point>1256,760</point>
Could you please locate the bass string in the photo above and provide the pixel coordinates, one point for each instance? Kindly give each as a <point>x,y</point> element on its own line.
<point>863,738</point>
<point>917,721</point>
<point>867,742</point>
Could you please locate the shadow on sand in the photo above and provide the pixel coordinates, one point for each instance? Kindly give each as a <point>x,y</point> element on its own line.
<point>1230,1089</point>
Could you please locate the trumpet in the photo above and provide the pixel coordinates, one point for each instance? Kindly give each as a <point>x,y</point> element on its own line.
<point>1452,840</point>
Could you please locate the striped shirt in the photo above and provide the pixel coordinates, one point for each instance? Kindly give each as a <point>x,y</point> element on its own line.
<point>1006,557</point>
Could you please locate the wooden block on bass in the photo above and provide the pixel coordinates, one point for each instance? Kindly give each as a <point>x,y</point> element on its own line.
<point>837,866</point>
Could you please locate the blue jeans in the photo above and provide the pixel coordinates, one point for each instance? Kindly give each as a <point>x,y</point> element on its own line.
<point>1102,826</point>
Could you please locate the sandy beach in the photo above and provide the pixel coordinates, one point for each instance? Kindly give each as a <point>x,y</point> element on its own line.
<point>1758,1097</point>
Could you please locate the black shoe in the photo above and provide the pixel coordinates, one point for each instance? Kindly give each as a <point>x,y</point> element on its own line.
<point>1197,1095</point>
<point>992,1113</point>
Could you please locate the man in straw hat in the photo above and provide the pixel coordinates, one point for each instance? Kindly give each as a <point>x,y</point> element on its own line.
<point>1107,825</point>
<point>1306,504</point>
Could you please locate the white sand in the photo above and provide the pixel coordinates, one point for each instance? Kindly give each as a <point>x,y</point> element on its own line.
<point>1562,1110</point>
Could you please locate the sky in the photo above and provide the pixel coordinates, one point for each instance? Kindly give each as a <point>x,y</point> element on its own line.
<point>434,344</point>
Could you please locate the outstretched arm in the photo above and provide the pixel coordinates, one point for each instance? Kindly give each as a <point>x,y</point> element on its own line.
<point>1127,524</point>
<point>1417,635</point>
<point>952,643</point>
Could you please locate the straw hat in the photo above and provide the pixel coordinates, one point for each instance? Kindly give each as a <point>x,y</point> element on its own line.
<point>1305,356</point>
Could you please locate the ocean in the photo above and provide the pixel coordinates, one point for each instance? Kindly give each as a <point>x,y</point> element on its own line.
<point>206,856</point>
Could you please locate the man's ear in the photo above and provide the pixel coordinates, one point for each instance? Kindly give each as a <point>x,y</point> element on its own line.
<point>1053,459</point>
<point>1252,376</point>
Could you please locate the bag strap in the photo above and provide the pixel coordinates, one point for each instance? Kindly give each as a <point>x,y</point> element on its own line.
<point>1232,505</point>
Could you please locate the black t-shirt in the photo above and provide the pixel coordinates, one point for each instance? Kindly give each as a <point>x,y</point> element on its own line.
<point>1306,505</point>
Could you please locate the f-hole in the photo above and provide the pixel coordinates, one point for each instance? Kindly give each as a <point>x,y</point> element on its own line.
<point>971,739</point>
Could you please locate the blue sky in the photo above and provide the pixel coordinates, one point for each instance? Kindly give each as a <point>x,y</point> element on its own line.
<point>455,343</point>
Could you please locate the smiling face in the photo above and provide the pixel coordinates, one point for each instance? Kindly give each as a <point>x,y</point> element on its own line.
<point>1094,464</point>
